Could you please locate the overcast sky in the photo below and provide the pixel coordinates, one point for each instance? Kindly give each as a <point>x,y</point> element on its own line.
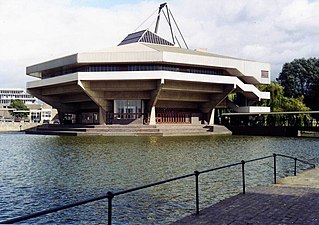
<point>273,31</point>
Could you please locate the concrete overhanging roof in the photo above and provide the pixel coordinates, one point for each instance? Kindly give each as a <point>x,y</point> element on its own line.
<point>147,75</point>
<point>55,63</point>
<point>150,53</point>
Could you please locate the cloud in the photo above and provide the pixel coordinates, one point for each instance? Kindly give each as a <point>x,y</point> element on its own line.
<point>269,31</point>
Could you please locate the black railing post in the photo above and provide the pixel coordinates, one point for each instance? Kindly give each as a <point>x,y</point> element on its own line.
<point>110,197</point>
<point>196,173</point>
<point>295,171</point>
<point>275,169</point>
<point>243,175</point>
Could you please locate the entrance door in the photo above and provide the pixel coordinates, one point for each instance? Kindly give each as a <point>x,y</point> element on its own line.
<point>130,112</point>
<point>127,110</point>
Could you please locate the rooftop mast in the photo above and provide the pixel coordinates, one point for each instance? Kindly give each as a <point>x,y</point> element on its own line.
<point>159,16</point>
<point>168,19</point>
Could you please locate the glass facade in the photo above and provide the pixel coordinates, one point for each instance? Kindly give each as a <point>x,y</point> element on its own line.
<point>132,67</point>
<point>128,109</point>
<point>89,118</point>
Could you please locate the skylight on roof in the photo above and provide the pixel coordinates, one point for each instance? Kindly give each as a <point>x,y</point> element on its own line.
<point>145,36</point>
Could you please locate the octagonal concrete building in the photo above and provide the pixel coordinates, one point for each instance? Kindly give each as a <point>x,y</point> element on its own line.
<point>147,80</point>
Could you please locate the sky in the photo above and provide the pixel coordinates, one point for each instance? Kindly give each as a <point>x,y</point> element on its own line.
<point>272,31</point>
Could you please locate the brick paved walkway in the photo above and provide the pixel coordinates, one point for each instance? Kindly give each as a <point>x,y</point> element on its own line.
<point>271,205</point>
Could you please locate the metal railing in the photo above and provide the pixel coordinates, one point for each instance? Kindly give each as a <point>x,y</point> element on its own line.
<point>272,119</point>
<point>110,195</point>
<point>174,117</point>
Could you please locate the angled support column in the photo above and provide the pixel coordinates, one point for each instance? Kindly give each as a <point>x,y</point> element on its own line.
<point>98,98</point>
<point>102,116</point>
<point>216,99</point>
<point>155,94</point>
<point>212,117</point>
<point>153,101</point>
<point>153,116</point>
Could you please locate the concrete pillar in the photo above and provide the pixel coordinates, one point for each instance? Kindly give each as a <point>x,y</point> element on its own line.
<point>153,116</point>
<point>102,116</point>
<point>29,116</point>
<point>212,117</point>
<point>61,116</point>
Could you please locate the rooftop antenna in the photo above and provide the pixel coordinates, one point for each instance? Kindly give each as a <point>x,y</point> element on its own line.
<point>168,19</point>
<point>159,16</point>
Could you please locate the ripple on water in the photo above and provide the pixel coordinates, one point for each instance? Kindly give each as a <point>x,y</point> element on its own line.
<point>40,172</point>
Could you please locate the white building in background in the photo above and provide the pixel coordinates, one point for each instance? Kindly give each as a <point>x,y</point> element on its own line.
<point>42,113</point>
<point>39,112</point>
<point>7,95</point>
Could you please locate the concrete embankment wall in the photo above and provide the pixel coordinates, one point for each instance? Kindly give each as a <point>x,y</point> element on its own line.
<point>16,126</point>
<point>264,131</point>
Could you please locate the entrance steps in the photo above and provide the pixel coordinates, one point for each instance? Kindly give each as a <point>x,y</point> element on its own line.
<point>96,130</point>
<point>183,129</point>
<point>124,130</point>
<point>191,129</point>
<point>128,130</point>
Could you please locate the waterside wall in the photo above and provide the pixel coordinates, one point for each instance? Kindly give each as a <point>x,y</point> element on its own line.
<point>16,126</point>
<point>264,131</point>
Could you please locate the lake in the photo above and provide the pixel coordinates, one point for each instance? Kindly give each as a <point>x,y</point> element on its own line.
<point>40,172</point>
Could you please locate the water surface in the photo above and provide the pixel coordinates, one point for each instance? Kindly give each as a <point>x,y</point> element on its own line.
<point>39,172</point>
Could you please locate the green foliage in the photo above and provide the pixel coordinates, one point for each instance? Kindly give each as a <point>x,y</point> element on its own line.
<point>19,106</point>
<point>278,102</point>
<point>301,78</point>
<point>294,104</point>
<point>231,97</point>
<point>276,96</point>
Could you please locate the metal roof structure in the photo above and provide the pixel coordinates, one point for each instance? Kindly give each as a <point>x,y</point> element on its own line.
<point>145,36</point>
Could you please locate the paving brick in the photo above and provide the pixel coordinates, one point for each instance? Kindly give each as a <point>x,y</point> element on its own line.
<point>263,205</point>
<point>294,201</point>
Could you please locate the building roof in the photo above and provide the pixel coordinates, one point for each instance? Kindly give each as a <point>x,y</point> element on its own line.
<point>145,36</point>
<point>174,49</point>
<point>141,52</point>
<point>159,44</point>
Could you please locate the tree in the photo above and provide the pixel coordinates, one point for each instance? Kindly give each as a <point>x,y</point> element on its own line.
<point>278,102</point>
<point>301,78</point>
<point>18,105</point>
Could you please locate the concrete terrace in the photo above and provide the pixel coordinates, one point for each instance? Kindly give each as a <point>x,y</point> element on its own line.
<point>128,130</point>
<point>294,200</point>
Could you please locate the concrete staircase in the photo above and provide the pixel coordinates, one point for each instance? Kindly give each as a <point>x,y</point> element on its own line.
<point>124,130</point>
<point>128,130</point>
<point>219,129</point>
<point>183,129</point>
<point>96,130</point>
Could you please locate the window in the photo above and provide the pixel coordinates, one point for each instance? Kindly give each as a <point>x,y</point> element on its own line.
<point>132,67</point>
<point>264,74</point>
<point>127,109</point>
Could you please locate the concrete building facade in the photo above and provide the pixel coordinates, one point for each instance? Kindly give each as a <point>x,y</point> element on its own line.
<point>146,80</point>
